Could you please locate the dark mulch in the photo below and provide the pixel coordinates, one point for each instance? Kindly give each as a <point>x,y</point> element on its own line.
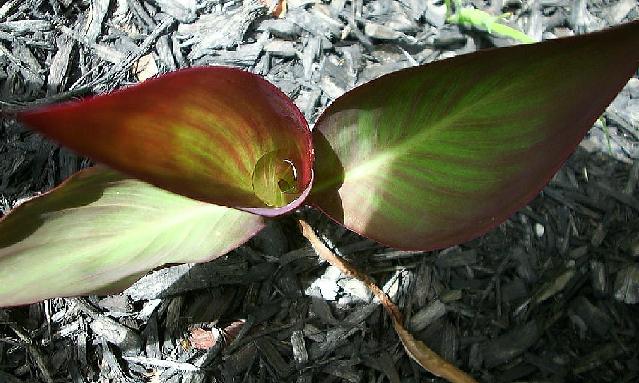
<point>549,296</point>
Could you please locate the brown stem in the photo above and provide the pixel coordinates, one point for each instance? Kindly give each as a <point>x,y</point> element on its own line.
<point>416,349</point>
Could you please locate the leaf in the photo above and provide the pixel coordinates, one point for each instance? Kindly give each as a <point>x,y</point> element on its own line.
<point>219,135</point>
<point>99,231</point>
<point>484,20</point>
<point>439,154</point>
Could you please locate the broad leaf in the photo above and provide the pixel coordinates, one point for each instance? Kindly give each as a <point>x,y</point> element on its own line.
<point>436,155</point>
<point>219,135</point>
<point>99,231</point>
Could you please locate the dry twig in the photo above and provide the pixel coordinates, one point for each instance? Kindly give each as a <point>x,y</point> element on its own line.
<point>416,349</point>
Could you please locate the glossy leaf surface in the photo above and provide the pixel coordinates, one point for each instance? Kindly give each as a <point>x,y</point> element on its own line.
<point>100,231</point>
<point>436,155</point>
<point>219,135</point>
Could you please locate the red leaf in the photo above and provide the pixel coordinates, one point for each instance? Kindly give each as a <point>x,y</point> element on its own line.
<point>436,155</point>
<point>219,135</point>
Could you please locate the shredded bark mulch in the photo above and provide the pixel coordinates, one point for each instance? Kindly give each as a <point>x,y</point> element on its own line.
<point>549,296</point>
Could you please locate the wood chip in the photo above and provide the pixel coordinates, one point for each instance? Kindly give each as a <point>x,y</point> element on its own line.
<point>627,284</point>
<point>97,11</point>
<point>427,315</point>
<point>511,344</point>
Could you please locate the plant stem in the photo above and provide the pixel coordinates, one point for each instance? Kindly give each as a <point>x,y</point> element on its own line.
<point>416,349</point>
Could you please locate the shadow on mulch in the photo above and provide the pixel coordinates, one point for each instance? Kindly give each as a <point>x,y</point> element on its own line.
<point>550,295</point>
<point>546,296</point>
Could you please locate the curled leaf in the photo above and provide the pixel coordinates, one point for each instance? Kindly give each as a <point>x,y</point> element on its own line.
<point>219,135</point>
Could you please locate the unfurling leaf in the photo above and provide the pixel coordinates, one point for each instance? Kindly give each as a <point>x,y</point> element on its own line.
<point>436,155</point>
<point>219,135</point>
<point>100,231</point>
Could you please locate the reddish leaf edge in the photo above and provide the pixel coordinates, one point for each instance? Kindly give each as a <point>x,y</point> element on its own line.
<point>277,211</point>
<point>22,115</point>
<point>525,200</point>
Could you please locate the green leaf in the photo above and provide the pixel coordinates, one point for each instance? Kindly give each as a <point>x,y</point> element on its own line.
<point>219,135</point>
<point>436,155</point>
<point>99,231</point>
<point>485,21</point>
